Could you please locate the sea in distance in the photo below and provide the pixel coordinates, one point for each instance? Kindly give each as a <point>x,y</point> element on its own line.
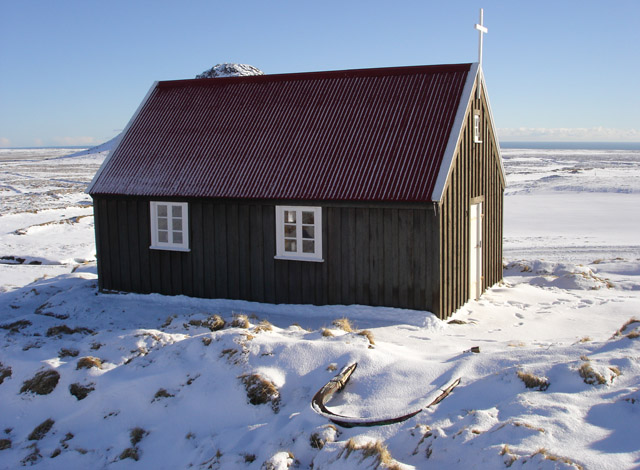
<point>572,145</point>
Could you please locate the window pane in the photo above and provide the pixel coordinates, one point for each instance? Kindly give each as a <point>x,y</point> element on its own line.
<point>290,231</point>
<point>177,237</point>
<point>163,236</point>
<point>308,246</point>
<point>308,231</point>
<point>176,211</point>
<point>162,210</point>
<point>176,224</point>
<point>162,223</point>
<point>290,217</point>
<point>307,217</point>
<point>290,245</point>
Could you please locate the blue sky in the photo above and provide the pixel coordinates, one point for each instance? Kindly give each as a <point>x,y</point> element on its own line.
<point>73,72</point>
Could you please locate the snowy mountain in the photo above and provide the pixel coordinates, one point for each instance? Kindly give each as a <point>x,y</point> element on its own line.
<point>230,70</point>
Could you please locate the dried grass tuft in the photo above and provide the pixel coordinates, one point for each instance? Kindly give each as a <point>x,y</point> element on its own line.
<point>533,381</point>
<point>240,320</point>
<point>327,333</point>
<point>136,435</point>
<point>328,433</point>
<point>4,372</point>
<point>367,334</point>
<point>555,458</point>
<point>375,450</point>
<point>264,325</point>
<point>16,326</point>
<point>65,352</point>
<point>5,444</point>
<point>214,322</point>
<point>41,430</point>
<point>81,391</point>
<point>129,453</point>
<point>162,393</point>
<point>590,376</point>
<point>623,328</point>
<point>344,324</point>
<point>43,383</point>
<point>88,362</point>
<point>65,330</point>
<point>261,391</point>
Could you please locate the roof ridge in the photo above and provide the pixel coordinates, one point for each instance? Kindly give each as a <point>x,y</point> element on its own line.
<point>326,74</point>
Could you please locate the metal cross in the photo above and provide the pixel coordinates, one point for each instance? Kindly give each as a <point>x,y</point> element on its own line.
<point>481,30</point>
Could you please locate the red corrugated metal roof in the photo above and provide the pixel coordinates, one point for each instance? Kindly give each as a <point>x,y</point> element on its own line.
<point>365,135</point>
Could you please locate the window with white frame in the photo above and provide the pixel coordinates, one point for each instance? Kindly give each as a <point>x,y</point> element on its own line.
<point>170,226</point>
<point>299,233</point>
<point>476,128</point>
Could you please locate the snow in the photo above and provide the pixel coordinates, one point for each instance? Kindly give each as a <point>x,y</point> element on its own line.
<point>170,392</point>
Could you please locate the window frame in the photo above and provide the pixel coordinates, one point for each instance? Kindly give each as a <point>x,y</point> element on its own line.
<point>477,122</point>
<point>156,244</point>
<point>299,255</point>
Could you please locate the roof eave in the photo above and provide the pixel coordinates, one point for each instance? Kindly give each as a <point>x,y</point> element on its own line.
<point>123,134</point>
<point>503,174</point>
<point>455,135</point>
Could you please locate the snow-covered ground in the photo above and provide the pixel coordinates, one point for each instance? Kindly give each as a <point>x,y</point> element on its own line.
<point>142,381</point>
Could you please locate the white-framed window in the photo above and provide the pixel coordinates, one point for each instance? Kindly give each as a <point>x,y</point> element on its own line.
<point>477,132</point>
<point>169,226</point>
<point>299,233</point>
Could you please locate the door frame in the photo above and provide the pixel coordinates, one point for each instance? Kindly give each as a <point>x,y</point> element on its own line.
<point>475,247</point>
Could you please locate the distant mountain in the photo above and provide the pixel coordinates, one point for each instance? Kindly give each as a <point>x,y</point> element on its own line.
<point>230,70</point>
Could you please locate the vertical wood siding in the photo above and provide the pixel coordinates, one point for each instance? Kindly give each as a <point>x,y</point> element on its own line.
<point>476,172</point>
<point>372,255</point>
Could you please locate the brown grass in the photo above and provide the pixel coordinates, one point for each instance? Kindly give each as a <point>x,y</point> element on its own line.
<point>162,393</point>
<point>547,456</point>
<point>240,320</point>
<point>129,453</point>
<point>43,383</point>
<point>332,367</point>
<point>327,333</point>
<point>88,362</point>
<point>214,322</point>
<point>81,391</point>
<point>41,430</point>
<point>65,330</point>
<point>367,334</point>
<point>624,327</point>
<point>64,352</point>
<point>590,376</point>
<point>328,433</point>
<point>136,435</point>
<point>264,325</point>
<point>5,371</point>
<point>16,326</point>
<point>261,391</point>
<point>376,450</point>
<point>533,381</point>
<point>344,324</point>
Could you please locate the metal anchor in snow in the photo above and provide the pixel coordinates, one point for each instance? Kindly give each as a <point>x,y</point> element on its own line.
<point>337,383</point>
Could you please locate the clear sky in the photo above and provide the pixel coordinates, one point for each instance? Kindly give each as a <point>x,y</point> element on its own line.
<point>72,72</point>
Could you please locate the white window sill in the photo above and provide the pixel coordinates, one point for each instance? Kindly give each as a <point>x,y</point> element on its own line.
<point>298,258</point>
<point>170,248</point>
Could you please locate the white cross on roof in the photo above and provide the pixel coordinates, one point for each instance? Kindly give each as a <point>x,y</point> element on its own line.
<point>481,30</point>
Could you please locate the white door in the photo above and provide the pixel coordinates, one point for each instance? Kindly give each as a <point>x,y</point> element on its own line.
<point>475,251</point>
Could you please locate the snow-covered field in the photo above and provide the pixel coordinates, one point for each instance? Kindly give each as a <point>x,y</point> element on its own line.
<point>91,380</point>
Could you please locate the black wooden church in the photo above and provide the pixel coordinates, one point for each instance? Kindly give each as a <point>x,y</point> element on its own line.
<point>375,186</point>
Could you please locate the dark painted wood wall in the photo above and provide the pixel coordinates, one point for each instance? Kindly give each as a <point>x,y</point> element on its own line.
<point>476,173</point>
<point>386,255</point>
